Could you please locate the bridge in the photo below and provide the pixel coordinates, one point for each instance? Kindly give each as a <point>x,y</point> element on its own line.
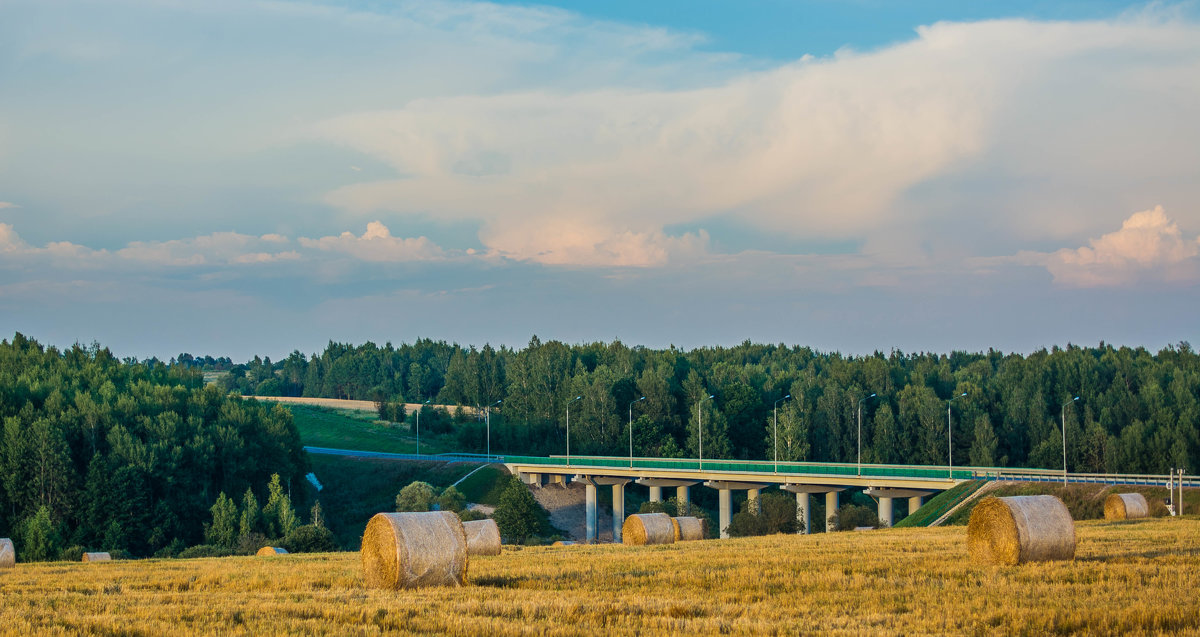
<point>885,483</point>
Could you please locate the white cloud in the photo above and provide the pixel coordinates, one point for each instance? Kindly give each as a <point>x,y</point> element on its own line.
<point>1149,246</point>
<point>377,244</point>
<point>8,204</point>
<point>219,248</point>
<point>822,148</point>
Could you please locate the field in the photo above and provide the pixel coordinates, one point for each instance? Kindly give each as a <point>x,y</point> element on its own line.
<point>1136,577</point>
<point>357,430</point>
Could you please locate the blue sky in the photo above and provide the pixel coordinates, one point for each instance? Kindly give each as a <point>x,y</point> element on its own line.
<point>252,177</point>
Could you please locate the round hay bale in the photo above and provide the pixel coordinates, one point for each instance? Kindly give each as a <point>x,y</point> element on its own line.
<point>648,528</point>
<point>483,537</point>
<point>1026,528</point>
<point>688,529</point>
<point>564,543</point>
<point>8,554</point>
<point>411,550</point>
<point>97,557</point>
<point>1126,506</point>
<point>271,551</point>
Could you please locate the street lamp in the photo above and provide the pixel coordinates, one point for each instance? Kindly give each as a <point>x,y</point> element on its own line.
<point>700,428</point>
<point>1064,429</point>
<point>950,437</point>
<point>419,426</point>
<point>631,429</point>
<point>489,428</point>
<point>569,427</point>
<point>775,409</point>
<point>860,404</point>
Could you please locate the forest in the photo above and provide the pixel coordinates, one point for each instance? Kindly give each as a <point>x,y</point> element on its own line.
<point>129,456</point>
<point>1136,412</point>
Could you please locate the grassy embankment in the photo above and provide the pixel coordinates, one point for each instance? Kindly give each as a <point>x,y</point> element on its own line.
<point>1131,578</point>
<point>360,431</point>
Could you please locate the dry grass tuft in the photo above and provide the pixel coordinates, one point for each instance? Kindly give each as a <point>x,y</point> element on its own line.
<point>483,537</point>
<point>1126,506</point>
<point>648,528</point>
<point>411,550</point>
<point>1027,528</point>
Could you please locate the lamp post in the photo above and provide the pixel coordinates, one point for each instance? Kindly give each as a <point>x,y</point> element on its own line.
<point>1064,432</point>
<point>775,409</point>
<point>860,404</point>
<point>569,427</point>
<point>700,428</point>
<point>419,426</point>
<point>489,429</point>
<point>950,437</point>
<point>631,429</point>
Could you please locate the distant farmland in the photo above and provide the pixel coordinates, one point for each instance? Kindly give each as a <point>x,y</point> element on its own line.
<point>1127,578</point>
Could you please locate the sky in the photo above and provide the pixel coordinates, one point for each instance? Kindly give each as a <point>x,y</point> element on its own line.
<point>240,177</point>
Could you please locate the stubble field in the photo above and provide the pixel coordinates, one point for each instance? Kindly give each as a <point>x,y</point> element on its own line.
<point>1133,577</point>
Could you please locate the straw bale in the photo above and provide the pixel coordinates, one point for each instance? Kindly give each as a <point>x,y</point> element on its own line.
<point>411,550</point>
<point>271,551</point>
<point>8,554</point>
<point>483,537</point>
<point>688,529</point>
<point>648,528</point>
<point>1027,528</point>
<point>564,543</point>
<point>1126,506</point>
<point>97,557</point>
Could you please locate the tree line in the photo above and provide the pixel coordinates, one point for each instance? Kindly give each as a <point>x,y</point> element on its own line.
<point>1137,411</point>
<point>129,456</point>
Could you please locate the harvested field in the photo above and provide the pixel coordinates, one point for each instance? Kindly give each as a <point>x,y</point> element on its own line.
<point>914,581</point>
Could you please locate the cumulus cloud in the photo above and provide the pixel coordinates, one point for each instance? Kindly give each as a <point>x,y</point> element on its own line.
<point>377,244</point>
<point>568,242</point>
<point>221,248</point>
<point>1149,246</point>
<point>821,148</point>
<point>8,204</point>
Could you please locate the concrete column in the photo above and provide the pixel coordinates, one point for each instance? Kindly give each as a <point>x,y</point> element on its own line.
<point>533,479</point>
<point>558,479</point>
<point>681,495</point>
<point>914,504</point>
<point>590,496</point>
<point>803,513</point>
<point>752,497</point>
<point>618,510</point>
<point>726,513</point>
<point>656,494</point>
<point>885,511</point>
<point>831,504</point>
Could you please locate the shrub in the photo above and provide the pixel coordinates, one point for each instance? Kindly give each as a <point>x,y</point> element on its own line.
<point>72,554</point>
<point>451,500</point>
<point>518,514</point>
<point>417,496</point>
<point>204,550</point>
<point>852,516</point>
<point>310,539</point>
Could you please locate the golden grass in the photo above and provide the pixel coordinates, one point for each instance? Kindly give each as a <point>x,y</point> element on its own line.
<point>1020,529</point>
<point>1126,578</point>
<point>640,529</point>
<point>1126,506</point>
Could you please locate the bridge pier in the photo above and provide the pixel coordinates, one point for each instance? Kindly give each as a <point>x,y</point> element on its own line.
<point>532,479</point>
<point>619,510</point>
<point>656,494</point>
<point>590,512</point>
<point>558,478</point>
<point>831,505</point>
<point>752,503</point>
<point>804,503</point>
<point>885,511</point>
<point>915,503</point>
<point>681,497</point>
<point>618,491</point>
<point>657,484</point>
<point>725,499</point>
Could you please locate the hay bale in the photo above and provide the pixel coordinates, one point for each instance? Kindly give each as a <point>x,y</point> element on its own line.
<point>1027,528</point>
<point>410,550</point>
<point>1126,506</point>
<point>648,528</point>
<point>688,529</point>
<point>483,537</point>
<point>271,551</point>
<point>564,543</point>
<point>97,557</point>
<point>8,554</point>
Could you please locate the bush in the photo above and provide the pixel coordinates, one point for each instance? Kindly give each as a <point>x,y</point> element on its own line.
<point>204,550</point>
<point>72,554</point>
<point>852,516</point>
<point>249,543</point>
<point>519,514</point>
<point>417,496</point>
<point>171,550</point>
<point>310,539</point>
<point>451,500</point>
<point>470,515</point>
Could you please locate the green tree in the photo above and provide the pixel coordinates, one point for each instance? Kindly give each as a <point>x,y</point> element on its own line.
<point>251,520</point>
<point>518,514</point>
<point>224,530</point>
<point>41,540</point>
<point>451,500</point>
<point>278,515</point>
<point>417,496</point>
<point>984,444</point>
